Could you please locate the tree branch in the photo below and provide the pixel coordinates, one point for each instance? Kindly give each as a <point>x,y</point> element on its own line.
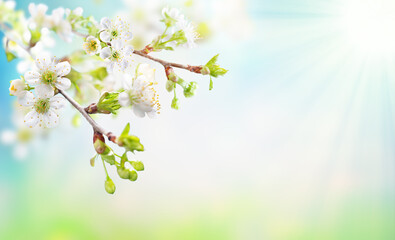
<point>142,53</point>
<point>195,69</point>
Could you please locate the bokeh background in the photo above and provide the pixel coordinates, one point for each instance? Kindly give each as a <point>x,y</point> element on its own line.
<point>295,142</point>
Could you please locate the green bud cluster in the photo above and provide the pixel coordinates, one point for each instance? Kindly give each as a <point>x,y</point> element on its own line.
<point>125,173</point>
<point>129,142</point>
<point>190,90</point>
<point>99,73</point>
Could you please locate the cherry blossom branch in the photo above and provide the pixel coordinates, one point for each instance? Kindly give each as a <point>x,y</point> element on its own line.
<point>96,127</point>
<point>146,50</point>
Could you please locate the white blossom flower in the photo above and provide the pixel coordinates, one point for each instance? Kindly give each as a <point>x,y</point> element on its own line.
<point>61,26</point>
<point>92,45</point>
<point>114,29</point>
<point>117,56</point>
<point>50,74</point>
<point>43,109</point>
<point>189,31</point>
<point>142,96</point>
<point>38,17</point>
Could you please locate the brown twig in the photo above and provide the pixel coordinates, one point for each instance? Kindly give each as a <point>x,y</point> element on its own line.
<point>96,127</point>
<point>194,69</point>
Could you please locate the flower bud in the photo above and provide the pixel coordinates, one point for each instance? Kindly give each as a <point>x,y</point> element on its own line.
<point>170,85</point>
<point>109,186</point>
<point>133,175</point>
<point>92,161</point>
<point>175,103</point>
<point>205,70</point>
<point>123,172</point>
<point>98,143</point>
<point>17,86</point>
<point>190,90</point>
<point>139,166</point>
<point>171,76</point>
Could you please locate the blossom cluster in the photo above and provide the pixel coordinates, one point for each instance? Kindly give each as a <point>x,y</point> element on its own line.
<point>103,65</point>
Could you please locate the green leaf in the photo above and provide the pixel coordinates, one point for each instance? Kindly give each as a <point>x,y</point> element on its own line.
<point>92,161</point>
<point>211,84</point>
<point>99,73</point>
<point>74,76</point>
<point>212,61</point>
<point>35,36</point>
<point>110,159</point>
<point>126,130</point>
<point>10,56</point>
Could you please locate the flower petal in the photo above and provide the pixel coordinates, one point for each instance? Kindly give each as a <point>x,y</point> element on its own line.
<point>51,119</point>
<point>127,36</point>
<point>110,67</point>
<point>57,102</point>
<point>44,62</point>
<point>105,53</point>
<point>32,78</point>
<point>62,68</point>
<point>31,119</point>
<point>124,99</point>
<point>44,91</point>
<point>28,100</point>
<point>128,50</point>
<point>152,114</point>
<point>117,44</point>
<point>105,36</point>
<point>138,111</point>
<point>105,23</point>
<point>63,83</point>
<point>123,64</point>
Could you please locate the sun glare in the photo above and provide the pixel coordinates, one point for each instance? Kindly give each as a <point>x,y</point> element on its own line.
<point>370,25</point>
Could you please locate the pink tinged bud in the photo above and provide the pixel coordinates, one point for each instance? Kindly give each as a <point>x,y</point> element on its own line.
<point>99,143</point>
